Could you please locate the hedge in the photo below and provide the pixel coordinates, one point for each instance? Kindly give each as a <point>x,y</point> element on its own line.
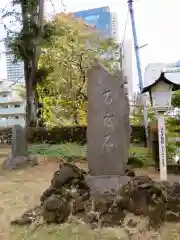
<point>65,134</point>
<point>58,135</point>
<point>138,134</point>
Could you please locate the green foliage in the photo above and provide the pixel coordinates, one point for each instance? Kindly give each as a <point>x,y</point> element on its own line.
<point>173,130</point>
<point>135,162</point>
<point>138,134</point>
<point>139,157</point>
<point>71,133</point>
<point>176,99</point>
<point>137,116</point>
<point>68,151</point>
<point>56,135</point>
<point>69,49</point>
<point>173,126</point>
<point>171,151</point>
<point>22,43</point>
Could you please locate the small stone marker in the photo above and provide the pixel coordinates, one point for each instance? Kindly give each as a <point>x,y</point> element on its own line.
<point>19,141</point>
<point>19,151</point>
<point>108,131</point>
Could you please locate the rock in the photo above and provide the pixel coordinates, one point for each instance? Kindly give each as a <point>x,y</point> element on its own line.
<point>111,220</point>
<point>78,205</point>
<point>132,223</point>
<point>175,189</point>
<point>92,218</point>
<point>69,193</point>
<point>172,216</point>
<point>102,205</point>
<point>19,162</point>
<point>144,196</point>
<point>22,221</point>
<point>48,192</point>
<point>55,209</point>
<point>69,181</point>
<point>12,162</point>
<point>33,160</point>
<point>113,217</point>
<point>28,217</point>
<point>130,172</point>
<point>65,174</point>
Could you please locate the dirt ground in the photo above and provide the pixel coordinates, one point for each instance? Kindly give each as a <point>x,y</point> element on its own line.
<point>20,190</point>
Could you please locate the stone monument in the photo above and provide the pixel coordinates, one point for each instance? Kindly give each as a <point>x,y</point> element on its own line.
<point>19,141</point>
<point>19,150</point>
<point>108,131</point>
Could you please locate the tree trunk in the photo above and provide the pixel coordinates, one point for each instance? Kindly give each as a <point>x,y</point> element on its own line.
<point>30,96</point>
<point>30,62</point>
<point>75,115</point>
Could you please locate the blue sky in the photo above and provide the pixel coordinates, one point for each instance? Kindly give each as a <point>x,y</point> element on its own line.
<point>157,23</point>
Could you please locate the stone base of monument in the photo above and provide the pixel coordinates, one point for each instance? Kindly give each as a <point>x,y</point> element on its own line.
<point>14,162</point>
<point>106,184</point>
<point>68,195</point>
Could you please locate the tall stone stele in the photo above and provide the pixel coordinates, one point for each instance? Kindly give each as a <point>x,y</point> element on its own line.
<point>108,131</point>
<point>19,151</point>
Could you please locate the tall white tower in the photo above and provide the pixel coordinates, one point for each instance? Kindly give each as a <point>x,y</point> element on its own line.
<point>127,55</point>
<point>114,26</point>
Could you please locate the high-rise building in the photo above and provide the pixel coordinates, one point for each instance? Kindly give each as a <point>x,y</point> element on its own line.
<point>102,19</point>
<point>15,69</point>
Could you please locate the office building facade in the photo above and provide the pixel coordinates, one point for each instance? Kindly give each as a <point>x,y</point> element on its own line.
<point>102,19</point>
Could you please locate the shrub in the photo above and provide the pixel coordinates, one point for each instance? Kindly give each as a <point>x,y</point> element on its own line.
<point>135,161</point>
<point>58,135</point>
<point>139,157</point>
<point>65,134</point>
<point>138,134</point>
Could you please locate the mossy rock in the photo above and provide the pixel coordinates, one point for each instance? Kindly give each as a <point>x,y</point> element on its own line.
<point>143,196</point>
<point>56,209</point>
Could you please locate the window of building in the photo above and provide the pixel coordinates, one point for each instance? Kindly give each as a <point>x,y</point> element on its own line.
<point>16,117</point>
<point>5,95</point>
<point>16,105</point>
<point>5,106</point>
